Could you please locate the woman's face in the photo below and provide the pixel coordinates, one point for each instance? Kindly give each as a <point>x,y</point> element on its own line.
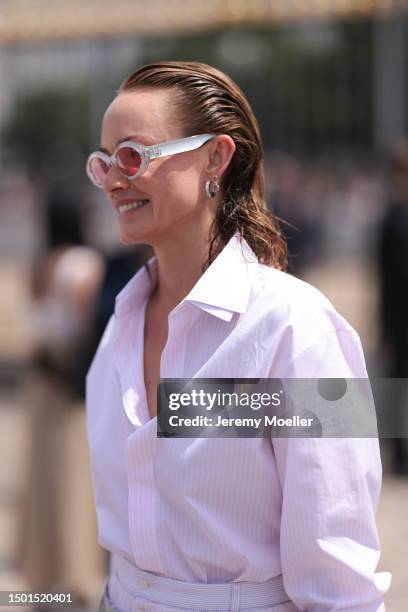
<point>173,186</point>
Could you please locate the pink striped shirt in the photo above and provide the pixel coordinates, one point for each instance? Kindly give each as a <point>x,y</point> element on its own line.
<point>211,510</point>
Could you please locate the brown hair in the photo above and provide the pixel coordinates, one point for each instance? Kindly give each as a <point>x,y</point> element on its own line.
<point>208,101</point>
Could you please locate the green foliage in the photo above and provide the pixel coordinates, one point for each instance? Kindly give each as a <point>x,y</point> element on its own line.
<point>39,120</point>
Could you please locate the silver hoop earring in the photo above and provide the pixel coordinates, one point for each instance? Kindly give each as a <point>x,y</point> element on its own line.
<point>212,187</point>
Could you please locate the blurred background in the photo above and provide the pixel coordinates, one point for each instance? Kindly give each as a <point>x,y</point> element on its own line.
<point>328,81</point>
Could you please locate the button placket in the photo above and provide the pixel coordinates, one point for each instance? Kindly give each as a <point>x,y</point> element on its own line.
<point>128,345</point>
<point>143,583</point>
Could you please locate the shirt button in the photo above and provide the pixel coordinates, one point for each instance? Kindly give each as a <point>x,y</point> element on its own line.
<point>143,583</point>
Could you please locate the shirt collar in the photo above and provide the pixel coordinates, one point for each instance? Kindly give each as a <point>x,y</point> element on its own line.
<point>225,286</point>
<point>222,290</point>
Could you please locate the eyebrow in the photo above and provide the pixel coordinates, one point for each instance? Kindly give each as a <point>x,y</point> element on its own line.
<point>132,137</point>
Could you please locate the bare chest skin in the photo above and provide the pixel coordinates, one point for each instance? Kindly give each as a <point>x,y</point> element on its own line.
<point>155,337</point>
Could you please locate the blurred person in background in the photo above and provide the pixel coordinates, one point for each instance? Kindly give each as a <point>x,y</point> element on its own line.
<point>120,266</point>
<point>393,275</point>
<point>286,191</point>
<point>58,548</point>
<point>277,524</point>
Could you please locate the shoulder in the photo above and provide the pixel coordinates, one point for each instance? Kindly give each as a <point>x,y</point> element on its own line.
<point>301,325</point>
<point>287,300</point>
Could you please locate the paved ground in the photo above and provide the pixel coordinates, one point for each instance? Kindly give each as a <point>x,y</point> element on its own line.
<point>13,469</point>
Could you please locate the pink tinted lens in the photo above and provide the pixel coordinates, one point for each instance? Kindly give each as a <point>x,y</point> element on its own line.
<point>128,161</point>
<point>98,168</point>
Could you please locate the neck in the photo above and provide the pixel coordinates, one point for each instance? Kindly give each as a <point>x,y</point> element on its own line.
<point>180,265</point>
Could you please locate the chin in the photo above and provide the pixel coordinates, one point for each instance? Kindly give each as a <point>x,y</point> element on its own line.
<point>128,236</point>
<point>131,239</point>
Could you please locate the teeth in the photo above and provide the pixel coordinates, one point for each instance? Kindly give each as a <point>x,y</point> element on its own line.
<point>136,204</point>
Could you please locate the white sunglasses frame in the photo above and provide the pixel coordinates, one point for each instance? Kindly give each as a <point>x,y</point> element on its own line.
<point>148,153</point>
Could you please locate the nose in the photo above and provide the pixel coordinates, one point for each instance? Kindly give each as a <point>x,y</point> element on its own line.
<point>114,180</point>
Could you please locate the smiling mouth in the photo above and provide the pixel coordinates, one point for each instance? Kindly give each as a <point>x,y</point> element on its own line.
<point>132,206</point>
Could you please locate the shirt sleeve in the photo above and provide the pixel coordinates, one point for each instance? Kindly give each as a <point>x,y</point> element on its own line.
<point>330,492</point>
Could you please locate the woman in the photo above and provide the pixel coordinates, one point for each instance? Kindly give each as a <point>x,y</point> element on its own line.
<point>217,524</point>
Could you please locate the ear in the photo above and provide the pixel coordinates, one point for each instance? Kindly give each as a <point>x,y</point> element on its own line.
<point>221,152</point>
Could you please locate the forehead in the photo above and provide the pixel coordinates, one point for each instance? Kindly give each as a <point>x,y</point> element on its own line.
<point>145,113</point>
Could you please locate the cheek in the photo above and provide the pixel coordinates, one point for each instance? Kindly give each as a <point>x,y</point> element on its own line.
<point>177,196</point>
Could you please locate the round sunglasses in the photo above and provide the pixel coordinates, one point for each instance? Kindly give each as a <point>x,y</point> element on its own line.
<point>133,158</point>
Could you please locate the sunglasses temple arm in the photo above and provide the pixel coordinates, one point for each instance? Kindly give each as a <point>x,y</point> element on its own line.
<point>178,146</point>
